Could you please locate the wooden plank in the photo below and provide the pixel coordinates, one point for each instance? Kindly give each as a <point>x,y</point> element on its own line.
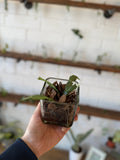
<point>55,154</point>
<point>80,4</point>
<point>2,148</point>
<point>84,109</point>
<point>28,57</point>
<point>99,112</point>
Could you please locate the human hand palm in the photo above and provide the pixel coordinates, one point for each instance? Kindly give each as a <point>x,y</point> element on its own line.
<point>41,137</point>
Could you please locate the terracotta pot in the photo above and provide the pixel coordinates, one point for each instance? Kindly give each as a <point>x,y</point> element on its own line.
<point>110,143</point>
<point>74,155</point>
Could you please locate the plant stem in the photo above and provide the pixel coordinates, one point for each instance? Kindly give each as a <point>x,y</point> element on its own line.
<point>71,132</point>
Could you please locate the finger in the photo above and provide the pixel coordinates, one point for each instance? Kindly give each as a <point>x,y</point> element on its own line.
<point>37,110</point>
<point>78,110</point>
<point>76,117</point>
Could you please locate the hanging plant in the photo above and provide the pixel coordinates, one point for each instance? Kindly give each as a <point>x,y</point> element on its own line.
<point>36,6</point>
<point>74,56</point>
<point>117,66</point>
<point>3,92</point>
<point>77,33</point>
<point>4,50</point>
<point>44,51</point>
<point>61,56</point>
<point>100,58</point>
<point>109,13</point>
<point>6,4</point>
<point>68,8</point>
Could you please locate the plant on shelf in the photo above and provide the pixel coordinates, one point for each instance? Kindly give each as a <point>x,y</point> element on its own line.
<point>100,58</point>
<point>36,6</point>
<point>74,56</point>
<point>76,149</point>
<point>6,4</point>
<point>110,143</point>
<point>9,133</point>
<point>4,50</point>
<point>117,66</point>
<point>77,33</point>
<point>60,57</point>
<point>109,13</point>
<point>3,92</point>
<point>68,8</point>
<point>44,51</point>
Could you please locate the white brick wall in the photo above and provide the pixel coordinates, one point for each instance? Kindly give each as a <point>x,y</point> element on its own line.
<point>49,30</point>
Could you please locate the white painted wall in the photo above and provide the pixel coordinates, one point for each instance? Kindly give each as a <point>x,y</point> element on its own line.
<point>50,26</point>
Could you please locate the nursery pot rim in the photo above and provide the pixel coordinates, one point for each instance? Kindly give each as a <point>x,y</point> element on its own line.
<point>76,151</point>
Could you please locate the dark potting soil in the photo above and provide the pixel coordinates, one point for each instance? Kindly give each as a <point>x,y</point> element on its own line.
<point>61,110</point>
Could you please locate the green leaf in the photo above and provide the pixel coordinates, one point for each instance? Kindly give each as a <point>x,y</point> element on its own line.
<point>8,135</point>
<point>116,137</point>
<point>4,50</point>
<point>73,136</point>
<point>36,97</point>
<point>73,78</point>
<point>74,56</point>
<point>76,147</point>
<point>6,46</point>
<point>68,8</point>
<point>81,137</point>
<point>50,84</point>
<point>3,92</point>
<point>69,87</point>
<point>77,33</point>
<point>1,136</point>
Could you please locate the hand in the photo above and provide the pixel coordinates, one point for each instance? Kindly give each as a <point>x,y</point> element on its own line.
<point>41,137</point>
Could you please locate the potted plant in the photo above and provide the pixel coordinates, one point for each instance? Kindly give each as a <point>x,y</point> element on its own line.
<point>110,143</point>
<point>9,133</point>
<point>76,152</point>
<point>59,100</point>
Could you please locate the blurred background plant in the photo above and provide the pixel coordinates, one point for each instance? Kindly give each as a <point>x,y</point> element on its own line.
<point>116,137</point>
<point>9,133</point>
<point>78,139</point>
<point>6,4</point>
<point>100,58</point>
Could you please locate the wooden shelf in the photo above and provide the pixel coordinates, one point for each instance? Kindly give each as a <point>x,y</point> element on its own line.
<point>28,57</point>
<point>84,109</point>
<point>80,4</point>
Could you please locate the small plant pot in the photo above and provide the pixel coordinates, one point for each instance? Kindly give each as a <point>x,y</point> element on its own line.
<point>55,112</point>
<point>110,143</point>
<point>74,155</point>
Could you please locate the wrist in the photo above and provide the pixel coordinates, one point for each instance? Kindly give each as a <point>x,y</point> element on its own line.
<point>31,145</point>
